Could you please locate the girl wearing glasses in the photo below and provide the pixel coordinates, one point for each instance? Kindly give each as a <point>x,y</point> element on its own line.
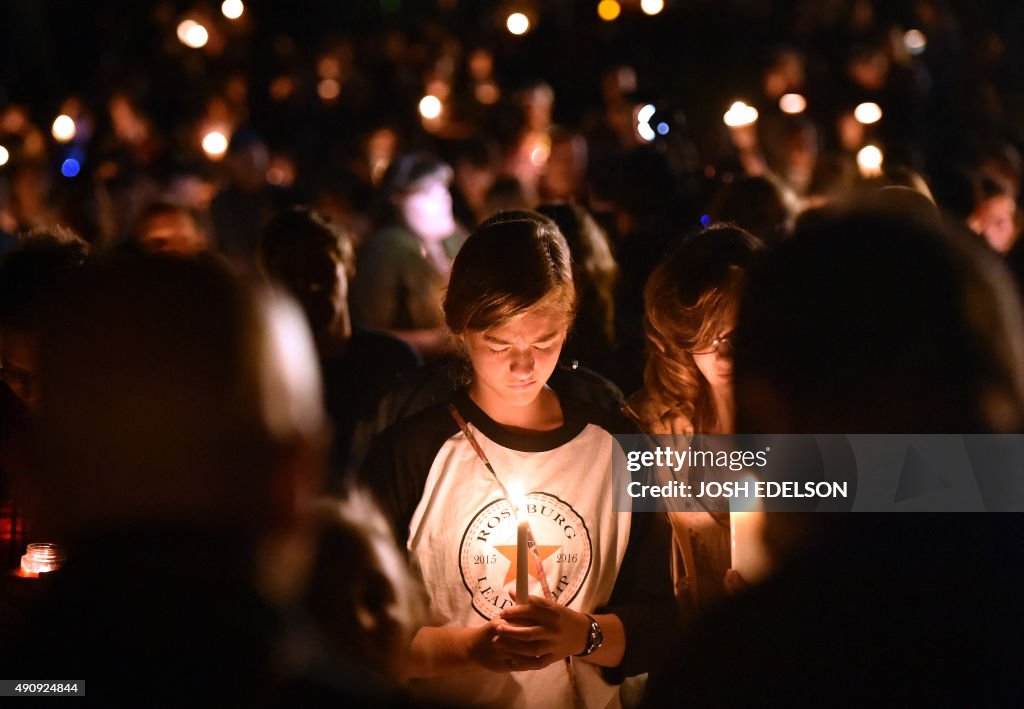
<point>690,304</point>
<point>455,477</point>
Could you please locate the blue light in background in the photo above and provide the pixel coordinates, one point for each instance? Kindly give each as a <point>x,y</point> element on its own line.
<point>70,168</point>
<point>663,128</point>
<point>705,221</point>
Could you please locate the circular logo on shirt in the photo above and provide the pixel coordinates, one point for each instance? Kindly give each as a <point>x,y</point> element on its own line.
<point>489,555</point>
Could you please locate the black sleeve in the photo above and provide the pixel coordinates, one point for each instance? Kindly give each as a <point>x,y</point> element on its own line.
<point>398,463</point>
<point>643,597</point>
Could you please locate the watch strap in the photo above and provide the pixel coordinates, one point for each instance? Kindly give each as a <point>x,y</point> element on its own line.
<point>595,637</point>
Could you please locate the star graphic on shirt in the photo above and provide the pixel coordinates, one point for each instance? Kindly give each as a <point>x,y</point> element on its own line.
<point>510,552</point>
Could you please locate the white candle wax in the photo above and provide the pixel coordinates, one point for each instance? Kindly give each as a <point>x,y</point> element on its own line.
<point>746,525</point>
<point>522,564</point>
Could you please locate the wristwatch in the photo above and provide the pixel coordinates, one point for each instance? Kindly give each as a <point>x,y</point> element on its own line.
<point>595,638</point>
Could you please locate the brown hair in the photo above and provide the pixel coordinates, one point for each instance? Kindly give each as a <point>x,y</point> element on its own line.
<point>512,263</point>
<point>687,298</point>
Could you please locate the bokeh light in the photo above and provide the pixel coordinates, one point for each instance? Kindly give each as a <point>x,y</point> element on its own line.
<point>192,34</point>
<point>4,156</point>
<point>608,10</point>
<point>430,107</point>
<point>915,42</point>
<point>792,104</point>
<point>64,128</point>
<point>70,168</point>
<point>232,9</point>
<point>869,160</point>
<point>868,113</point>
<point>518,23</point>
<point>487,93</point>
<point>740,114</point>
<point>215,144</point>
<point>652,7</point>
<point>328,89</point>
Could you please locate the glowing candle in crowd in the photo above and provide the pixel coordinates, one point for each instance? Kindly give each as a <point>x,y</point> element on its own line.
<point>192,34</point>
<point>746,524</point>
<point>232,9</point>
<point>652,7</point>
<point>41,559</point>
<point>792,103</point>
<point>518,23</point>
<point>215,144</point>
<point>64,128</point>
<point>643,122</point>
<point>608,10</point>
<point>868,113</point>
<point>739,115</point>
<point>915,42</point>
<point>430,107</point>
<point>869,160</point>
<point>328,89</point>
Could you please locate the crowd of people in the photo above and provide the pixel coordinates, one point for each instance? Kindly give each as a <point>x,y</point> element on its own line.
<point>285,406</point>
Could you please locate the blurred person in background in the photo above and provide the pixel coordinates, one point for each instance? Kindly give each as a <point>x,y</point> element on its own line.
<point>591,341</point>
<point>180,448</point>
<point>369,606</point>
<point>169,228</point>
<point>240,210</point>
<point>562,178</point>
<point>995,214</point>
<point>475,170</point>
<point>754,204</point>
<point>404,267</point>
<point>45,260</point>
<point>311,256</point>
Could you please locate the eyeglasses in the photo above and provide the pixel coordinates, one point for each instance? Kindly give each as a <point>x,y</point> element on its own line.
<point>721,346</point>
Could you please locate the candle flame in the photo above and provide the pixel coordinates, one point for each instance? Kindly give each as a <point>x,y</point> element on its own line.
<point>739,115</point>
<point>517,499</point>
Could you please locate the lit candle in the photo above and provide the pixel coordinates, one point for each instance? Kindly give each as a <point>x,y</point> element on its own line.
<point>41,558</point>
<point>746,523</point>
<point>518,502</point>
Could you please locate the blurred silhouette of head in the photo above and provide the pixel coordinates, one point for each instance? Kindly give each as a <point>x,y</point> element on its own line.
<point>45,260</point>
<point>754,204</point>
<point>176,396</point>
<point>995,213</point>
<point>312,257</point>
<point>878,323</point>
<point>416,186</point>
<point>168,228</point>
<point>369,605</point>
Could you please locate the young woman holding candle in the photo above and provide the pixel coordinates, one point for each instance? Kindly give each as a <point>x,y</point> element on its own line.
<point>599,585</point>
<point>691,301</point>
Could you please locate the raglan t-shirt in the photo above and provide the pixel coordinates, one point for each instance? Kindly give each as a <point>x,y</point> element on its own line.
<point>460,533</point>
